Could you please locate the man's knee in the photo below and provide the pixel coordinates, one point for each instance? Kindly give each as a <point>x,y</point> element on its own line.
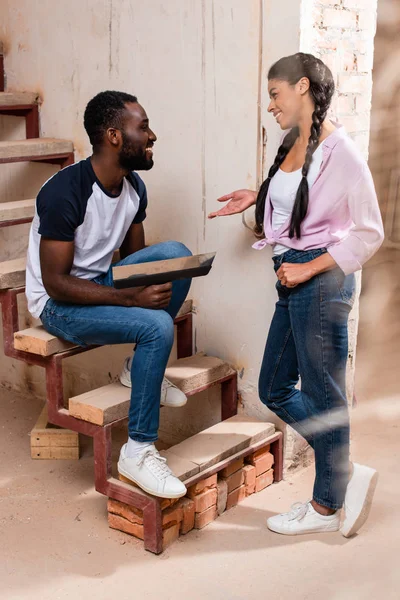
<point>174,249</point>
<point>160,327</point>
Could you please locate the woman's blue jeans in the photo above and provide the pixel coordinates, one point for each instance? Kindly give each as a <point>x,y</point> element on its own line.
<point>151,330</point>
<point>308,339</point>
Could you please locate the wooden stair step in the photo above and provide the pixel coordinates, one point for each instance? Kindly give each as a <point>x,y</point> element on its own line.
<point>111,403</point>
<point>16,99</point>
<point>37,340</point>
<point>18,209</point>
<point>221,441</point>
<point>33,149</point>
<point>12,273</point>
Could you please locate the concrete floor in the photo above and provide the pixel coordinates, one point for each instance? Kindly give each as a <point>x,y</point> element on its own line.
<point>55,542</point>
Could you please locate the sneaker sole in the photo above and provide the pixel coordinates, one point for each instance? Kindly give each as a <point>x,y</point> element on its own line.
<point>126,479</point>
<point>365,509</point>
<point>305,531</point>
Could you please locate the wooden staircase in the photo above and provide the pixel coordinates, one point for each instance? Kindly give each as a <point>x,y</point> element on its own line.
<point>98,411</point>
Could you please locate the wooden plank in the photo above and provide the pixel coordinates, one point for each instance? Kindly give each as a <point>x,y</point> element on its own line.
<point>34,147</point>
<point>38,341</point>
<point>187,307</point>
<point>161,266</point>
<point>19,209</point>
<point>102,405</point>
<point>18,98</point>
<point>197,371</point>
<point>111,402</point>
<point>54,453</point>
<point>46,435</point>
<point>12,273</point>
<point>222,440</point>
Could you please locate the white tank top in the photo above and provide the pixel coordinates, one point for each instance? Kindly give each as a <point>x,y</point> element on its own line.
<point>283,189</point>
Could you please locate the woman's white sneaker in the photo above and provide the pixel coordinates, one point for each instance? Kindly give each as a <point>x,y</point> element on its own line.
<point>358,499</point>
<point>150,472</point>
<point>170,395</point>
<point>302,518</point>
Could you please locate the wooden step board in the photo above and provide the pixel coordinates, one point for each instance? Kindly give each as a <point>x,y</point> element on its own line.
<point>19,209</point>
<point>34,149</point>
<point>215,444</point>
<point>12,273</point>
<point>111,402</point>
<point>37,340</point>
<point>16,99</point>
<point>49,441</point>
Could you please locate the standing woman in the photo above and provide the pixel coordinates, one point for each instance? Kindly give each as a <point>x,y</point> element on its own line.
<point>318,210</point>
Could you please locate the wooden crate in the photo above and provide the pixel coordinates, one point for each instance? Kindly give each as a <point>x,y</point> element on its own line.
<point>49,441</point>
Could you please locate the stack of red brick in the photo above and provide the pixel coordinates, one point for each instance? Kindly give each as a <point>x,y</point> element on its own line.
<point>205,500</point>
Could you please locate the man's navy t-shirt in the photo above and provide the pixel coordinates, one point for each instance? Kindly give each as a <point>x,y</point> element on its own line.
<point>74,206</point>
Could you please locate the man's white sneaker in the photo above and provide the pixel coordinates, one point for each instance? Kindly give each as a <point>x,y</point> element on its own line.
<point>150,472</point>
<point>170,395</point>
<point>302,518</point>
<point>358,499</point>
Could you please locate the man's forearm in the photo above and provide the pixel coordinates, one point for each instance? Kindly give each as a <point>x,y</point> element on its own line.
<point>74,290</point>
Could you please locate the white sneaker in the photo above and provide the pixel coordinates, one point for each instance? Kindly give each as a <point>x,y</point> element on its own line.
<point>150,472</point>
<point>302,518</point>
<point>358,499</point>
<point>170,395</point>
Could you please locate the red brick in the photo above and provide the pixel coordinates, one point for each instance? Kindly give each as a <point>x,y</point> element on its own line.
<point>262,463</point>
<point>235,480</point>
<point>117,522</point>
<point>187,523</point>
<point>172,515</point>
<point>166,502</point>
<point>222,488</point>
<point>232,468</point>
<point>170,535</point>
<point>354,84</point>
<point>131,514</point>
<point>339,18</point>
<point>236,496</point>
<point>249,479</point>
<point>204,518</point>
<point>261,452</point>
<point>264,480</point>
<point>201,486</point>
<point>345,104</point>
<point>205,500</point>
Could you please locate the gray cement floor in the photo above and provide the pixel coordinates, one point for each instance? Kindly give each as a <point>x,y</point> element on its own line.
<point>55,542</point>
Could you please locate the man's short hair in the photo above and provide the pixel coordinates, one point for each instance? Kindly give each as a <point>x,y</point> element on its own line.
<point>103,111</point>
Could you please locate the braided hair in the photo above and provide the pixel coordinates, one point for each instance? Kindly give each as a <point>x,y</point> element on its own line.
<point>292,69</point>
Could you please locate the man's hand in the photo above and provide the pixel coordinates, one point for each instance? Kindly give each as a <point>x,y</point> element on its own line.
<point>291,274</point>
<point>151,296</point>
<point>239,201</point>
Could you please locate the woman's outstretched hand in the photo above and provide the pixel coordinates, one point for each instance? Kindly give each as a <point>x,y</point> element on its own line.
<point>238,201</point>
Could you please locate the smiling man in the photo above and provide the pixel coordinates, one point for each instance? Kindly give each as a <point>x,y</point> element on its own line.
<point>83,214</point>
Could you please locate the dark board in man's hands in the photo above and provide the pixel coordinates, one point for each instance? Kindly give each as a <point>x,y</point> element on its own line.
<point>162,271</point>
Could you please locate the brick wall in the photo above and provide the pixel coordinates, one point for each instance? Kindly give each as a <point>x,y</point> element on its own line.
<point>341,33</point>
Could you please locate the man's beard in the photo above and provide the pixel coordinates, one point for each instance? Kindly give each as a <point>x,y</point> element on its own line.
<point>130,159</point>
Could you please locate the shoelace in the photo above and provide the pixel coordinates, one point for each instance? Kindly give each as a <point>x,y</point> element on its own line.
<point>155,463</point>
<point>298,511</point>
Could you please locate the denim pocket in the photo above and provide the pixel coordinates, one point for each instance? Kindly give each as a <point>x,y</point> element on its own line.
<point>346,285</point>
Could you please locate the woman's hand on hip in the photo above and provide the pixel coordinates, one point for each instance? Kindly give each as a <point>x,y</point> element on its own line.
<point>238,202</point>
<point>291,274</point>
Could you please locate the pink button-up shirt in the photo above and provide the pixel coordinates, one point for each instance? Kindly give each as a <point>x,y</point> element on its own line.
<point>343,212</point>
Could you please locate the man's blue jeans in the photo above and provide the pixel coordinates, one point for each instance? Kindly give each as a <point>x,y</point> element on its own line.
<point>151,330</point>
<point>308,337</point>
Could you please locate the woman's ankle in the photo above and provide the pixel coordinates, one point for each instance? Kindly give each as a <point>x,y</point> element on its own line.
<point>325,511</point>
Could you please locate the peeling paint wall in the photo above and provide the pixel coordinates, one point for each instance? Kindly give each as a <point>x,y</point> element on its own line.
<point>199,68</point>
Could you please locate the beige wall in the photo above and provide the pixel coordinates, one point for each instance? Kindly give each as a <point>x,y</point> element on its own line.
<point>199,68</point>
<point>195,66</point>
